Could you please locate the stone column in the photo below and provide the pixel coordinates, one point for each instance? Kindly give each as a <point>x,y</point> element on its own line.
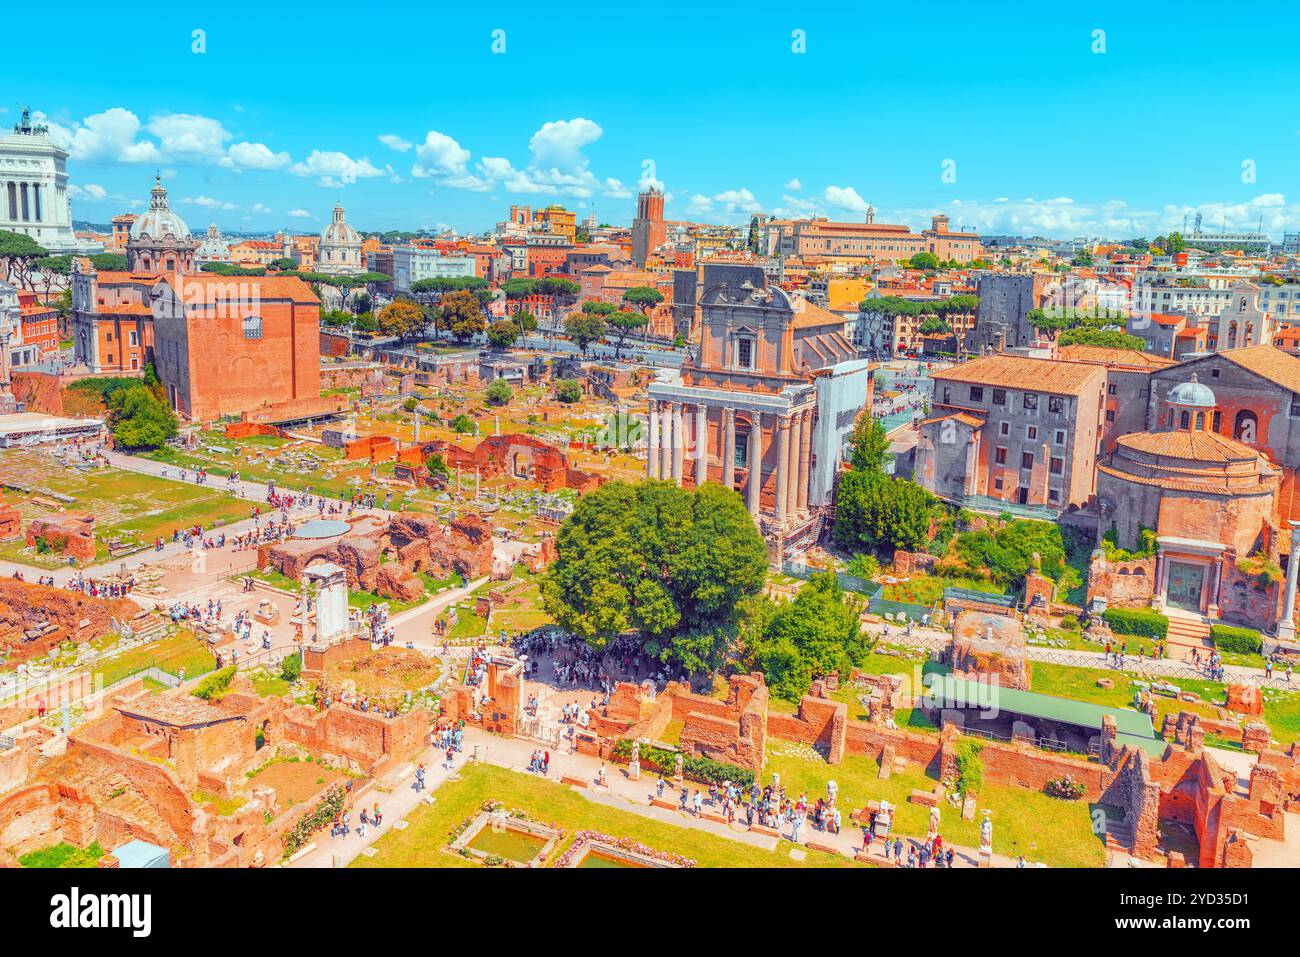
<point>1286,626</point>
<point>782,465</point>
<point>805,458</point>
<point>792,465</point>
<point>729,447</point>
<point>701,445</point>
<point>666,439</point>
<point>652,450</point>
<point>754,461</point>
<point>679,443</point>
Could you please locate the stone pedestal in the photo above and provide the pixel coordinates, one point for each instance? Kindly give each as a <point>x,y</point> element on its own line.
<point>634,771</point>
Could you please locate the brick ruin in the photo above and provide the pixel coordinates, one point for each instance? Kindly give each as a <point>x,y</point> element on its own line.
<point>36,618</point>
<point>153,765</point>
<point>1184,785</point>
<point>520,457</point>
<point>416,542</point>
<point>989,647</point>
<point>71,534</point>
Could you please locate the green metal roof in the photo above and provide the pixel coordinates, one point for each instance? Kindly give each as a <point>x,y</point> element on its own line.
<point>951,692</point>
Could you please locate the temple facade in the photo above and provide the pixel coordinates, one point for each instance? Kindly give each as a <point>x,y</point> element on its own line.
<point>763,405</point>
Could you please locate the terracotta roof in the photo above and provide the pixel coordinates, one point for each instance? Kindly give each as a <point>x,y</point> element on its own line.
<point>1165,319</point>
<point>262,287</point>
<point>1054,376</point>
<point>808,314</point>
<point>1192,446</point>
<point>1268,362</point>
<point>1114,357</point>
<point>965,418</point>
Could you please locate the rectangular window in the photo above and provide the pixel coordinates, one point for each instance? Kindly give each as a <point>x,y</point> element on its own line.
<point>1060,436</point>
<point>1000,455</point>
<point>977,393</point>
<point>1053,495</point>
<point>252,327</point>
<point>1031,432</point>
<point>745,353</point>
<point>1026,460</point>
<point>1055,403</point>
<point>1110,389</point>
<point>997,484</point>
<point>1110,415</point>
<point>1057,466</point>
<point>1031,402</point>
<point>999,396</point>
<point>947,395</point>
<point>1004,428</point>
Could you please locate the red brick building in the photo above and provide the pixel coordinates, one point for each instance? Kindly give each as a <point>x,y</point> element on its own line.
<point>235,346</point>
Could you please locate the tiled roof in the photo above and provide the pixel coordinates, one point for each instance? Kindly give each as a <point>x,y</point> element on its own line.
<point>1192,446</point>
<point>1268,362</point>
<point>965,418</point>
<point>262,287</point>
<point>1055,376</point>
<point>1114,357</point>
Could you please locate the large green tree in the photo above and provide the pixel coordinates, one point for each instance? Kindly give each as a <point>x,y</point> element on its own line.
<point>19,252</point>
<point>877,512</point>
<point>869,444</point>
<point>623,323</point>
<point>793,642</point>
<point>658,561</point>
<point>584,328</point>
<point>461,314</point>
<point>139,419</point>
<point>401,318</point>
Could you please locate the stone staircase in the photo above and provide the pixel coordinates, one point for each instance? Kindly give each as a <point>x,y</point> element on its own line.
<point>1187,631</point>
<point>1119,834</point>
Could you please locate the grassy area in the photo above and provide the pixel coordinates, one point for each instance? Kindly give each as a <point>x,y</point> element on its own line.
<point>1044,829</point>
<point>126,505</point>
<point>225,806</point>
<point>423,843</point>
<point>928,589</point>
<point>170,654</point>
<point>64,855</point>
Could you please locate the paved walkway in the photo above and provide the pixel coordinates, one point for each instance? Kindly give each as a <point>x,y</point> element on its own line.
<point>397,799</point>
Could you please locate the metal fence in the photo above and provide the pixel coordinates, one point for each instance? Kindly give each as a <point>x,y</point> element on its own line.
<point>853,583</point>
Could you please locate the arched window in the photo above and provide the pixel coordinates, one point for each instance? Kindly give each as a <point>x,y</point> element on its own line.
<point>1245,427</point>
<point>1200,421</point>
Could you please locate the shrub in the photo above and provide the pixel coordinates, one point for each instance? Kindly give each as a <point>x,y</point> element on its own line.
<point>568,390</point>
<point>1241,641</point>
<point>499,392</point>
<point>330,805</point>
<point>1069,623</point>
<point>215,685</point>
<point>1066,788</point>
<point>970,769</point>
<point>705,770</point>
<point>462,424</point>
<point>291,668</point>
<point>1143,622</point>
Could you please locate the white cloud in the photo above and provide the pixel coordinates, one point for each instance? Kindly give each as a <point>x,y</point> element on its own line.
<point>794,185</point>
<point>254,156</point>
<point>738,200</point>
<point>186,136</point>
<point>207,202</point>
<point>559,143</point>
<point>333,169</point>
<point>394,142</point>
<point>845,197</point>
<point>90,192</point>
<point>300,214</point>
<point>104,137</point>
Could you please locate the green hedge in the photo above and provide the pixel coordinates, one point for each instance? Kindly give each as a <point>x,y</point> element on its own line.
<point>705,770</point>
<point>1143,622</point>
<point>1241,641</point>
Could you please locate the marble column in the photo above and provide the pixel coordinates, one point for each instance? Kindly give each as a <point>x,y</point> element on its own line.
<point>701,445</point>
<point>729,447</point>
<point>805,458</point>
<point>652,450</point>
<point>1286,626</point>
<point>754,462</point>
<point>792,465</point>
<point>666,439</point>
<point>679,443</point>
<point>782,465</point>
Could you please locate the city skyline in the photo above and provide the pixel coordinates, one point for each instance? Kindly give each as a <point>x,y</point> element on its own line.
<point>1074,124</point>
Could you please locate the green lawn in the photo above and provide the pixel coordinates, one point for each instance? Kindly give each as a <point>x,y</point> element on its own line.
<point>1057,833</point>
<point>928,589</point>
<point>423,843</point>
<point>64,855</point>
<point>126,505</point>
<point>170,654</point>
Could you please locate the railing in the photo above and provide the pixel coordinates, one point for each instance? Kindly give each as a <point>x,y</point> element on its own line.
<point>853,583</point>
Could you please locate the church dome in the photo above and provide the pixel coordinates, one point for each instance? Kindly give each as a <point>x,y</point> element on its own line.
<point>1192,394</point>
<point>339,232</point>
<point>159,221</point>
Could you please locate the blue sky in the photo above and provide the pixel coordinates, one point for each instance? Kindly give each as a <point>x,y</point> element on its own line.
<point>284,114</point>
